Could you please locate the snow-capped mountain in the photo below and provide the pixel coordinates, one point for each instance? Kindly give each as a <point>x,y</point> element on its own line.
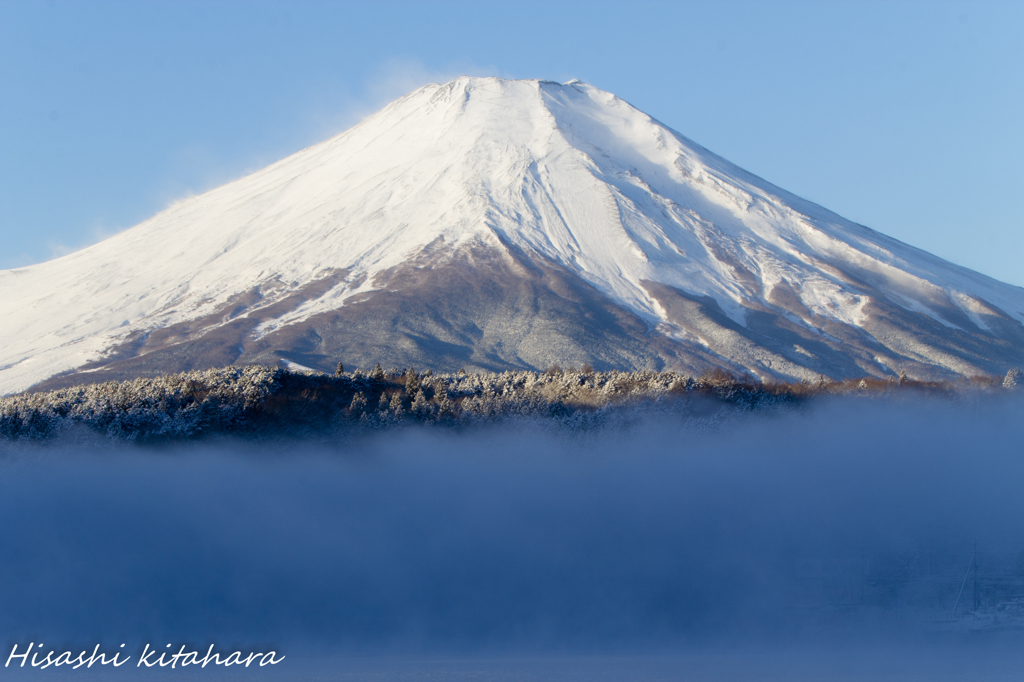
<point>489,223</point>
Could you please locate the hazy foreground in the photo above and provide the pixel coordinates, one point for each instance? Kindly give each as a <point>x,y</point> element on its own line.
<point>828,541</point>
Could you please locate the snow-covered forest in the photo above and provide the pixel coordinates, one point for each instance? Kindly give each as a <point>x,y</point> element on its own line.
<point>260,400</point>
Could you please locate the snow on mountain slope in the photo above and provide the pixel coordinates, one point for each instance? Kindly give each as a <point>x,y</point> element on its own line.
<point>562,174</point>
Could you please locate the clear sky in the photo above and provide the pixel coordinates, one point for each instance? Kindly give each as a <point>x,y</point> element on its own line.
<point>907,117</point>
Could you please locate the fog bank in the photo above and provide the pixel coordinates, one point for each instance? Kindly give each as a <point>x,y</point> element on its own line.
<point>849,521</point>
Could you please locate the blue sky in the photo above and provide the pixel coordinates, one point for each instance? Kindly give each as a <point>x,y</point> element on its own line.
<point>903,116</point>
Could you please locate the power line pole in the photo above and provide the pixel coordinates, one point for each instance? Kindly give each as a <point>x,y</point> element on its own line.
<point>964,583</point>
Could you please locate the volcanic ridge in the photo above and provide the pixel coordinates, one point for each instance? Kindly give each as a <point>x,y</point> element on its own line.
<point>493,224</point>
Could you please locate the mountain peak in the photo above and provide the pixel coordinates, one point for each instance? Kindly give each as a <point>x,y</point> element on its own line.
<point>564,195</point>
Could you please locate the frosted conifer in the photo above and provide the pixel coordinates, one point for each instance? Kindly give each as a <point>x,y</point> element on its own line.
<point>396,404</point>
<point>420,407</point>
<point>358,405</point>
<point>340,370</point>
<point>412,382</point>
<point>1014,378</point>
<point>377,374</point>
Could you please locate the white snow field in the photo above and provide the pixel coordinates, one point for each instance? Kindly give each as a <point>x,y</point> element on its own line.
<point>564,173</point>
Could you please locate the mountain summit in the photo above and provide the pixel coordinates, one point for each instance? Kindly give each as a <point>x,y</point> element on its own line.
<point>498,224</point>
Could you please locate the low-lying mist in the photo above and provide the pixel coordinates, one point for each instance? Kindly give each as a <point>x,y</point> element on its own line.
<point>846,519</point>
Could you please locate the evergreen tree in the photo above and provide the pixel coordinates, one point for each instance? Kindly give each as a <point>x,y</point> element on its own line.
<point>358,405</point>
<point>377,374</point>
<point>420,407</point>
<point>340,370</point>
<point>396,404</point>
<point>412,382</point>
<point>1014,378</point>
<point>444,404</point>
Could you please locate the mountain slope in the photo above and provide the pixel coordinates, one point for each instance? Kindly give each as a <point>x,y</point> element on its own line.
<point>496,224</point>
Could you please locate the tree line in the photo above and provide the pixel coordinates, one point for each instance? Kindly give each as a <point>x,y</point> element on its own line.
<point>261,400</point>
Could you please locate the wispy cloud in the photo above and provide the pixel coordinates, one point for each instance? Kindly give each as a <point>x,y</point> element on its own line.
<point>86,239</point>
<point>397,77</point>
